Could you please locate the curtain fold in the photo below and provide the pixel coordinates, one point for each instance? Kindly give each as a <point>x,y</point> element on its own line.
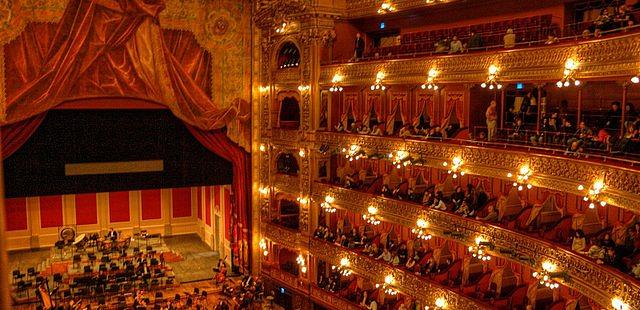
<point>110,49</point>
<point>16,135</point>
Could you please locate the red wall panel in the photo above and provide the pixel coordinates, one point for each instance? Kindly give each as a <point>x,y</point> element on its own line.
<point>181,198</point>
<point>207,205</point>
<point>151,204</point>
<point>86,209</point>
<point>199,202</point>
<point>16,213</point>
<point>51,211</point>
<point>227,213</point>
<point>118,207</point>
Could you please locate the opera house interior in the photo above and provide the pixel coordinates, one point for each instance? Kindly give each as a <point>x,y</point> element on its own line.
<point>320,154</point>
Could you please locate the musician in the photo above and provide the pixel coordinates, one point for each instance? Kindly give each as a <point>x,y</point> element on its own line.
<point>113,235</point>
<point>139,302</point>
<point>247,282</point>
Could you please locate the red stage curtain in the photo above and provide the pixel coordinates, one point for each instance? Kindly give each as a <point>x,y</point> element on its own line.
<point>107,49</point>
<point>15,135</point>
<point>219,143</point>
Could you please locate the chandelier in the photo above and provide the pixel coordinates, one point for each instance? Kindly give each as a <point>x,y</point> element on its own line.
<point>281,27</point>
<point>335,81</point>
<point>618,304</point>
<point>371,216</point>
<point>400,159</point>
<point>327,206</point>
<point>377,85</point>
<point>522,178</point>
<point>354,152</point>
<point>302,200</point>
<point>421,229</point>
<point>492,79</point>
<point>455,167</point>
<point>568,79</point>
<point>430,84</point>
<point>593,194</point>
<point>302,263</point>
<point>387,286</point>
<point>343,268</point>
<point>386,7</point>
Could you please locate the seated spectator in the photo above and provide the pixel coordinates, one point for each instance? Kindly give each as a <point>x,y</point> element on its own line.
<point>630,114</point>
<point>586,34</point>
<point>428,197</point>
<point>439,204</point>
<point>364,130</point>
<point>623,19</point>
<point>635,271</point>
<point>441,46</point>
<point>579,242</point>
<point>509,39</point>
<point>551,39</point>
<point>464,210</point>
<point>340,127</point>
<point>543,136</point>
<point>376,131</point>
<point>613,116</point>
<point>582,135</point>
<point>457,198</point>
<point>492,215</point>
<point>518,130</point>
<point>475,41</point>
<point>386,191</point>
<point>386,255</point>
<point>405,131</point>
<point>455,46</point>
<point>410,263</point>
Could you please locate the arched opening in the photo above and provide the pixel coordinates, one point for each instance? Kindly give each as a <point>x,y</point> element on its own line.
<point>289,113</point>
<point>288,213</point>
<point>288,56</point>
<point>286,163</point>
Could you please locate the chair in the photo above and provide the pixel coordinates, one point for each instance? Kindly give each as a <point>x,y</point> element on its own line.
<point>32,273</point>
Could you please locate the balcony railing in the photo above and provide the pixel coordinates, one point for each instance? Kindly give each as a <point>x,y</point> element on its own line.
<point>598,282</point>
<point>405,281</point>
<point>492,159</point>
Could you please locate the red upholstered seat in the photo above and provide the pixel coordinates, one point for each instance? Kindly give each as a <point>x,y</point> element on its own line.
<point>443,275</point>
<point>559,232</point>
<point>481,285</point>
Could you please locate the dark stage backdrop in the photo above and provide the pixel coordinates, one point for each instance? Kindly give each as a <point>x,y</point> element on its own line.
<point>95,136</point>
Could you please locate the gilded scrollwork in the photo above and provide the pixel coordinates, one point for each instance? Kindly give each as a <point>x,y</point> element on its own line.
<point>587,277</point>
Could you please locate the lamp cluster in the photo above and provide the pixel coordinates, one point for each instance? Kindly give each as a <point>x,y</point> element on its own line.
<point>377,85</point>
<point>400,159</point>
<point>281,27</point>
<point>327,204</point>
<point>263,246</point>
<point>593,194</point>
<point>387,286</point>
<point>302,263</point>
<point>522,178</point>
<point>302,200</point>
<point>371,216</point>
<point>343,268</point>
<point>386,7</point>
<point>546,275</point>
<point>618,304</point>
<point>335,81</point>
<point>430,84</point>
<point>568,79</point>
<point>421,229</point>
<point>492,79</point>
<point>354,152</point>
<point>455,167</point>
<point>479,250</point>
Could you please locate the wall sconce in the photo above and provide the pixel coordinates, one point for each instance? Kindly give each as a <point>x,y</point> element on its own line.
<point>354,152</point>
<point>302,263</point>
<point>327,206</point>
<point>441,303</point>
<point>618,304</point>
<point>386,7</point>
<point>302,200</point>
<point>263,147</point>
<point>378,83</point>
<point>302,153</point>
<point>430,84</point>
<point>371,217</point>
<point>343,268</point>
<point>421,229</point>
<point>400,159</point>
<point>568,78</point>
<point>264,89</point>
<point>593,194</point>
<point>263,190</point>
<point>635,79</point>
<point>522,178</point>
<point>492,79</point>
<point>263,246</point>
<point>387,285</point>
<point>281,27</point>
<point>335,81</point>
<point>479,250</point>
<point>303,87</point>
<point>456,164</point>
<point>547,274</point>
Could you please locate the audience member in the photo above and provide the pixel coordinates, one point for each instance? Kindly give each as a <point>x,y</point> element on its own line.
<point>509,39</point>
<point>475,41</point>
<point>455,46</point>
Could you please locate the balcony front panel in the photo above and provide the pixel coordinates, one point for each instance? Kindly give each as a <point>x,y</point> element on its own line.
<point>593,280</point>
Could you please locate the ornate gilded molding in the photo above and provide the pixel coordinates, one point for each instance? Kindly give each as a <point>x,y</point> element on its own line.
<point>365,8</point>
<point>286,237</point>
<point>598,282</point>
<point>610,57</point>
<point>557,173</point>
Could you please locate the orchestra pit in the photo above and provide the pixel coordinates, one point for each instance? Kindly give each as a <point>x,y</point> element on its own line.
<point>320,154</point>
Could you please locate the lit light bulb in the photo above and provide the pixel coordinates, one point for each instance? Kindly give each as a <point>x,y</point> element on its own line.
<point>559,84</point>
<point>635,80</point>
